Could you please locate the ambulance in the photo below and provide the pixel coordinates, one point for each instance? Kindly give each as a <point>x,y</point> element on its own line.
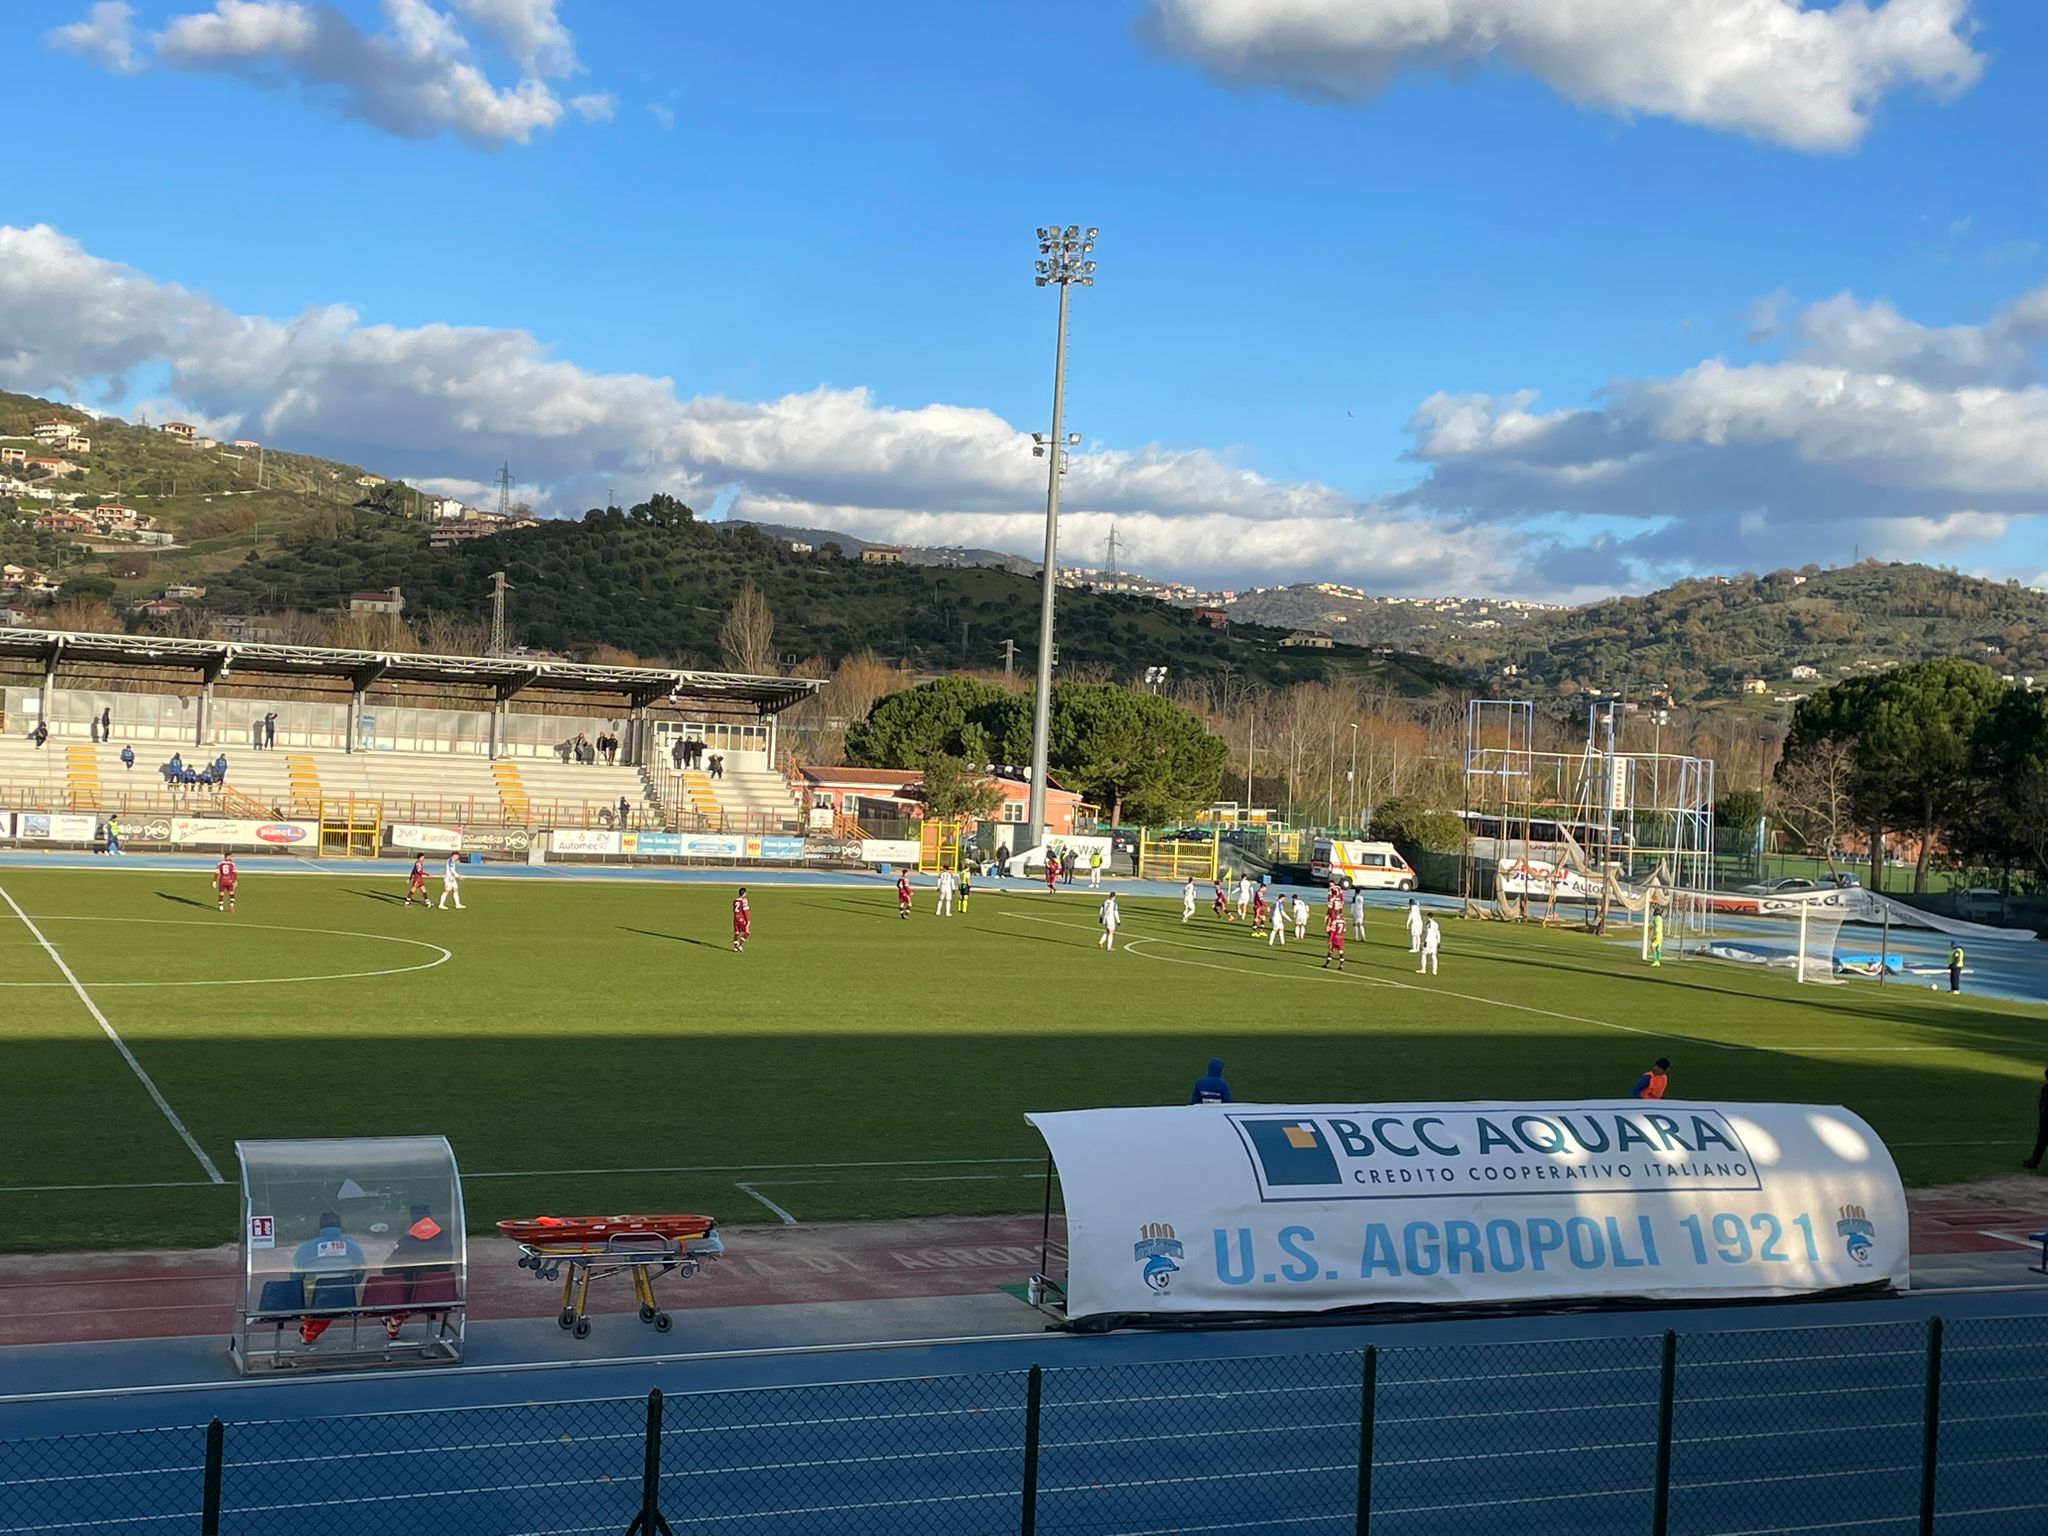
<point>1372,866</point>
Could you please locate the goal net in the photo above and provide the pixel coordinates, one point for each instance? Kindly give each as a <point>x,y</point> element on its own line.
<point>1795,933</point>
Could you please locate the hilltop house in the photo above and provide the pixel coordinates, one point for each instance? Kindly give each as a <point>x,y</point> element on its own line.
<point>54,466</point>
<point>183,429</point>
<point>881,554</point>
<point>390,601</point>
<point>1308,640</point>
<point>13,456</point>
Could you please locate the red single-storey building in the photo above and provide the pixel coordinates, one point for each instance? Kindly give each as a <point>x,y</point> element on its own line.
<point>890,792</point>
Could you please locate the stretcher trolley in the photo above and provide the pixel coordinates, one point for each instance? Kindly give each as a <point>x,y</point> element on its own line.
<point>579,1249</point>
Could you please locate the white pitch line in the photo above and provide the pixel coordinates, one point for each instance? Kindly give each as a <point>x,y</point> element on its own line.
<point>1385,981</point>
<point>443,956</point>
<point>748,1189</point>
<point>120,1045</point>
<point>563,1173</point>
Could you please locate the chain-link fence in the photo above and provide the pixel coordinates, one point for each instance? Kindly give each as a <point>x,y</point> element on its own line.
<point>1890,1427</point>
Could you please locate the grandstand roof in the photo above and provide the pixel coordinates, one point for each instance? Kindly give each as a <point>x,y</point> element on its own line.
<point>217,658</point>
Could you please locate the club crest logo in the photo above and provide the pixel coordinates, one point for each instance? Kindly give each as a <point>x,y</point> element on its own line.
<point>1859,1235</point>
<point>1160,1252</point>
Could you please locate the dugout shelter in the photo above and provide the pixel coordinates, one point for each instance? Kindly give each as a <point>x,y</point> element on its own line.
<point>352,1254</point>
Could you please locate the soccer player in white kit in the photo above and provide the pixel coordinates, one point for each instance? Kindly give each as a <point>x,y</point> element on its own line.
<point>1109,917</point>
<point>1432,941</point>
<point>451,881</point>
<point>1278,932</point>
<point>1414,920</point>
<point>1187,901</point>
<point>948,882</point>
<point>1358,912</point>
<point>1300,919</point>
<point>1244,895</point>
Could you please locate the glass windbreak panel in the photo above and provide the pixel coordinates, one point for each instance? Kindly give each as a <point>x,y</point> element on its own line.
<point>320,1218</point>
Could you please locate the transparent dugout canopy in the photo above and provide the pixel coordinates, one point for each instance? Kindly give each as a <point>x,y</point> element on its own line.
<point>352,1252</point>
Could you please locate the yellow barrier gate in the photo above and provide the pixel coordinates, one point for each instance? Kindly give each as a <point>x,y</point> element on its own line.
<point>1176,858</point>
<point>938,847</point>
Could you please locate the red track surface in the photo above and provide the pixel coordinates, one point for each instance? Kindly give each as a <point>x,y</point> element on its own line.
<point>72,1297</point>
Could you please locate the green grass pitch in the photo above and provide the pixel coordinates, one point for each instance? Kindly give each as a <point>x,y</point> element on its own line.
<point>592,1047</point>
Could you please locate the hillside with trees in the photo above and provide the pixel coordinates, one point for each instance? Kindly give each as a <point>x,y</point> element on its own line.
<point>658,583</point>
<point>1701,638</point>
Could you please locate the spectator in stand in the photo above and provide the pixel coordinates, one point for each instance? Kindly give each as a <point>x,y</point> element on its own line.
<point>718,765</point>
<point>128,758</point>
<point>220,769</point>
<point>270,731</point>
<point>675,754</point>
<point>625,810</point>
<point>41,733</point>
<point>106,725</point>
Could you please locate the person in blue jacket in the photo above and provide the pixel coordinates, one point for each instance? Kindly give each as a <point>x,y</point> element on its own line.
<point>1211,1088</point>
<point>328,1254</point>
<point>128,759</point>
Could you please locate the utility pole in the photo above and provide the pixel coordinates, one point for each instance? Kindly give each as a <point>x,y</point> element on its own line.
<point>505,489</point>
<point>498,587</point>
<point>1009,650</point>
<point>1109,554</point>
<point>1062,261</point>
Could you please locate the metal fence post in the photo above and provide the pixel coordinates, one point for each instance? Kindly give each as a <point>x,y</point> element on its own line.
<point>648,1522</point>
<point>1660,1514</point>
<point>209,1488</point>
<point>1368,1412</point>
<point>1930,1427</point>
<point>1027,1515</point>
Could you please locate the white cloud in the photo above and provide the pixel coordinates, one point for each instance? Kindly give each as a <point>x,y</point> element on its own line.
<point>663,115</point>
<point>1871,431</point>
<point>105,37</point>
<point>444,405</point>
<point>417,77</point>
<point>1876,431</point>
<point>1784,71</point>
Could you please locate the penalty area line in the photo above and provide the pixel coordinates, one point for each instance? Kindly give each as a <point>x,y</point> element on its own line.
<point>93,1008</point>
<point>781,1215</point>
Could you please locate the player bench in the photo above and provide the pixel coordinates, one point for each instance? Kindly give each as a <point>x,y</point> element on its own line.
<point>388,1300</point>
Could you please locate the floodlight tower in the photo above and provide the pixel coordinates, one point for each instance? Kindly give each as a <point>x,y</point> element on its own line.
<point>1063,261</point>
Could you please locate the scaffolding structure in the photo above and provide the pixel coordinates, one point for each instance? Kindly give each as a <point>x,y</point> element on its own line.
<point>1594,829</point>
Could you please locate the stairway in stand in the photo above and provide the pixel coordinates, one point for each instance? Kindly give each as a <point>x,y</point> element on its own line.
<point>81,777</point>
<point>513,802</point>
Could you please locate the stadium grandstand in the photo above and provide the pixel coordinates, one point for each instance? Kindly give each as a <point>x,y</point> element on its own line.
<point>310,729</point>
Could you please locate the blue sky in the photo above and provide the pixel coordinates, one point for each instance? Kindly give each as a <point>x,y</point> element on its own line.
<point>1542,323</point>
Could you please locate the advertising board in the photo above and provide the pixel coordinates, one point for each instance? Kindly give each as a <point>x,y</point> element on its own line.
<point>775,848</point>
<point>583,840</point>
<point>883,850</point>
<point>651,844</point>
<point>55,827</point>
<point>415,838</point>
<point>713,845</point>
<point>235,832</point>
<point>1244,1209</point>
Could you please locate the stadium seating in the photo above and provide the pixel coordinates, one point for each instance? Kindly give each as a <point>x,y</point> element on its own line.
<point>410,786</point>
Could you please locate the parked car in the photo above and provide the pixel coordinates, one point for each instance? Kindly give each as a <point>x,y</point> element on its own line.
<point>1980,903</point>
<point>1784,885</point>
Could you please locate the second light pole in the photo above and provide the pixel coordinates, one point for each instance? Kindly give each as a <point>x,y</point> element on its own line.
<point>1063,261</point>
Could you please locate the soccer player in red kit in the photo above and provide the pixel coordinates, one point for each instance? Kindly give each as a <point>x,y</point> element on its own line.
<point>742,920</point>
<point>1222,903</point>
<point>416,882</point>
<point>224,882</point>
<point>903,896</point>
<point>1258,909</point>
<point>1052,873</point>
<point>1333,926</point>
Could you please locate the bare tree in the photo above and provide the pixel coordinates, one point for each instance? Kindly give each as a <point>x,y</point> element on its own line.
<point>1814,794</point>
<point>747,638</point>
